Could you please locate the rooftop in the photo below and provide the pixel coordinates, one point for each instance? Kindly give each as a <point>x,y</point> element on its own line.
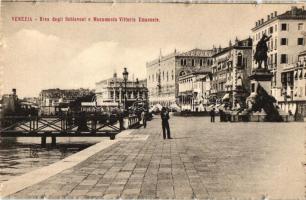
<point>294,13</point>
<point>120,80</point>
<point>197,52</point>
<point>239,44</point>
<point>192,53</point>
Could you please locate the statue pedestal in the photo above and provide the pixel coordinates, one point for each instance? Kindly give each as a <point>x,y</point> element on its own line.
<point>258,77</point>
<point>261,77</point>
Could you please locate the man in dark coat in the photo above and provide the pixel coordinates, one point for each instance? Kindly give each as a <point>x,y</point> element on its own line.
<point>165,123</point>
<point>144,118</point>
<point>212,115</point>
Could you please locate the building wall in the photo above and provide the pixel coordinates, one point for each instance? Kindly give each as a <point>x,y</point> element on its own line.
<point>294,87</point>
<point>230,73</point>
<point>161,76</point>
<point>112,91</point>
<point>291,47</point>
<point>194,91</point>
<point>165,90</point>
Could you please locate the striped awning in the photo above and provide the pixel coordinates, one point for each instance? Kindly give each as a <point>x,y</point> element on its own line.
<point>226,96</point>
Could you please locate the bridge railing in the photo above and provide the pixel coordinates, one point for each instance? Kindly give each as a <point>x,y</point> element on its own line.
<point>65,125</point>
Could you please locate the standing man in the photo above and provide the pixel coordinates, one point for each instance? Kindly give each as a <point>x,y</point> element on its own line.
<point>165,123</point>
<point>144,118</point>
<point>120,118</point>
<point>212,115</point>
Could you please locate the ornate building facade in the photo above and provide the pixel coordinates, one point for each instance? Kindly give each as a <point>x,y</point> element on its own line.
<point>293,80</point>
<point>230,71</point>
<point>111,92</point>
<point>194,89</point>
<point>51,99</point>
<point>163,74</point>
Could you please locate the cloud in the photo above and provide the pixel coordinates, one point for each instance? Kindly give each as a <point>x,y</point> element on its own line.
<point>32,60</point>
<point>36,61</point>
<point>91,64</point>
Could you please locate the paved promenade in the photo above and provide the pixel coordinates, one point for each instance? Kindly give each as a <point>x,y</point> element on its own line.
<point>204,160</point>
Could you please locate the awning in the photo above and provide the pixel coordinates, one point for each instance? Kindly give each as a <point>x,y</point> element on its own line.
<point>211,106</point>
<point>226,96</point>
<point>221,107</point>
<point>295,75</point>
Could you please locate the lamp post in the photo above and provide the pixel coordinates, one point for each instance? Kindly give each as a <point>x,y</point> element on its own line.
<point>120,94</point>
<point>137,88</point>
<point>145,96</point>
<point>125,78</point>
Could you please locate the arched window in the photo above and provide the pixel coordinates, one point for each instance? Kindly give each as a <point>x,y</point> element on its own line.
<point>172,75</point>
<point>163,75</point>
<point>182,73</point>
<point>239,60</point>
<point>239,81</point>
<point>192,62</point>
<point>167,76</point>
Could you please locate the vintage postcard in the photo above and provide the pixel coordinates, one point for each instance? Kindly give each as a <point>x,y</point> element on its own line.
<point>109,100</point>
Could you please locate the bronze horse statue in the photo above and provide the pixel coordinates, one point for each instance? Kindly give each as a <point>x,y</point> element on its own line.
<point>261,52</point>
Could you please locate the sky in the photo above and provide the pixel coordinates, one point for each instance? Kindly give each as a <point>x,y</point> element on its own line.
<point>39,55</point>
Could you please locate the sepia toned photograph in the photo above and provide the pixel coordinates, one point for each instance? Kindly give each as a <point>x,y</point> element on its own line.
<point>185,100</point>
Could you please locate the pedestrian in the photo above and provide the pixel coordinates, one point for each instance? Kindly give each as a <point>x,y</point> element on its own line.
<point>212,115</point>
<point>120,119</point>
<point>222,115</point>
<point>144,118</point>
<point>165,123</point>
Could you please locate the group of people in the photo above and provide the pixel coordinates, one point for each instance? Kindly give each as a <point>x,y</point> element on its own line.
<point>222,114</point>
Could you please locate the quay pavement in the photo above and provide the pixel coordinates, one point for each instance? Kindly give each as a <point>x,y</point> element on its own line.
<point>203,160</point>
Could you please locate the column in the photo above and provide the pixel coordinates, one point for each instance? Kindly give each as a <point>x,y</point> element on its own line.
<point>120,96</point>
<point>114,97</point>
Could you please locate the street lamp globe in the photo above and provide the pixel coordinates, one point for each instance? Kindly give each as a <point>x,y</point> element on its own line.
<point>125,74</point>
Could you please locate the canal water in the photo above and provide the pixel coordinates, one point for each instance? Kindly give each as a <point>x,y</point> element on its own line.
<point>21,155</point>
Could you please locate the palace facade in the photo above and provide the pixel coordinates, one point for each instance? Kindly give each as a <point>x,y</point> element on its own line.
<point>163,74</point>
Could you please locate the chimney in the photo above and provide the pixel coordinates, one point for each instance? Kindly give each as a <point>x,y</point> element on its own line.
<point>256,24</point>
<point>262,20</point>
<point>115,75</point>
<point>275,13</point>
<point>268,17</point>
<point>272,15</point>
<point>14,91</point>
